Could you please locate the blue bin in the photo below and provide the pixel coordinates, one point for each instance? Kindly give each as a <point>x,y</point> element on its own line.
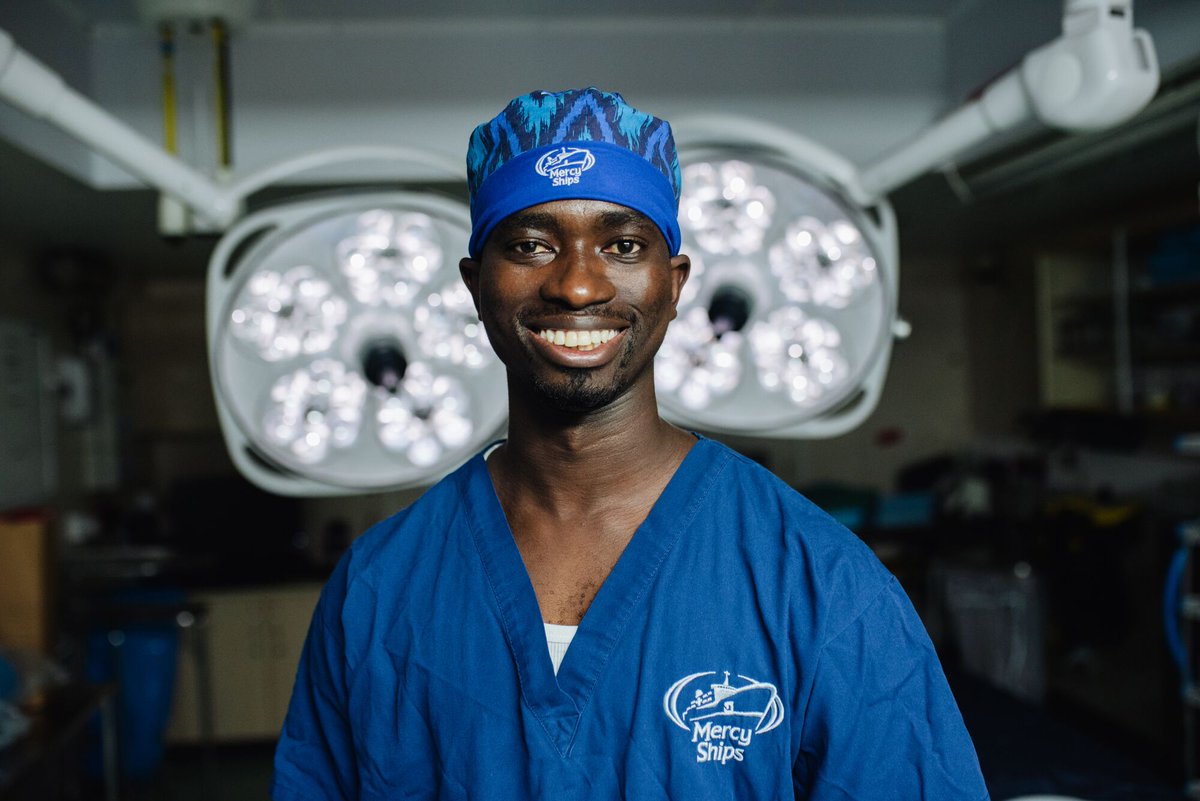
<point>141,660</point>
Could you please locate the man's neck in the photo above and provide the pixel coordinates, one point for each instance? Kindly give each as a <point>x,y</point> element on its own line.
<point>576,462</point>
<point>576,487</point>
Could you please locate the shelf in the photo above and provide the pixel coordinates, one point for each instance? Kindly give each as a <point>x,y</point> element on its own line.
<point>1111,339</point>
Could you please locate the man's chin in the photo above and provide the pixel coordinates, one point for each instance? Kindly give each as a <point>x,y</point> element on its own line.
<point>577,394</point>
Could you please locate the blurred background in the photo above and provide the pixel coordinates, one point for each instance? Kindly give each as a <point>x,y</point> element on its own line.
<point>1031,471</point>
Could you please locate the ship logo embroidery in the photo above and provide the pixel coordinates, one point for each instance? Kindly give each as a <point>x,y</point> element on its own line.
<point>723,718</point>
<point>565,166</point>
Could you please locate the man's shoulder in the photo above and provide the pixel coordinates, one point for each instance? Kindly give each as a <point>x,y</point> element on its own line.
<point>765,495</point>
<point>778,522</point>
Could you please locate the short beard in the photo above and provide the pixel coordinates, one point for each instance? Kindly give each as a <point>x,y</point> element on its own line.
<point>576,396</point>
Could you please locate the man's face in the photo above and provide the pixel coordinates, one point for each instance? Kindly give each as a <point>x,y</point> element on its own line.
<point>576,296</point>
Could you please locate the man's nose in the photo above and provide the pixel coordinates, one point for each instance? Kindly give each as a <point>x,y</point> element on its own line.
<point>580,279</point>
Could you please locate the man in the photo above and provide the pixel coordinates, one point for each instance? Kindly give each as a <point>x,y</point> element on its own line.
<point>723,638</point>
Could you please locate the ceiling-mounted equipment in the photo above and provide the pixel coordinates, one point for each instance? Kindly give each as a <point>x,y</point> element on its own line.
<point>342,344</point>
<point>344,348</point>
<point>786,322</point>
<point>1099,73</point>
<point>328,379</point>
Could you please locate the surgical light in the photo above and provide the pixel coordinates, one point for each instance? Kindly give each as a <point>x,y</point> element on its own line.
<point>345,353</point>
<point>787,327</point>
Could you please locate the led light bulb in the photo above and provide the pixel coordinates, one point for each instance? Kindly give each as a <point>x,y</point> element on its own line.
<point>799,355</point>
<point>390,257</point>
<point>449,330</point>
<point>286,314</point>
<point>696,365</point>
<point>428,414</point>
<point>724,208</point>
<point>315,409</point>
<point>826,264</point>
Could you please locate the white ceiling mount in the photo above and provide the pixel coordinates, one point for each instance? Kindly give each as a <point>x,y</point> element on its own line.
<point>231,12</point>
<point>1099,73</point>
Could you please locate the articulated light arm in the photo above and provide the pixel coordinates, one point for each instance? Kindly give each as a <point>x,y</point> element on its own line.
<point>34,88</point>
<point>37,90</point>
<point>1099,73</point>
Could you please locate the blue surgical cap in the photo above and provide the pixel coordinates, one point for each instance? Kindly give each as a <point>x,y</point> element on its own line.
<point>578,144</point>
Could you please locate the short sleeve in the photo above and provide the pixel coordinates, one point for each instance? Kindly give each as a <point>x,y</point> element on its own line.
<point>881,722</point>
<point>315,755</point>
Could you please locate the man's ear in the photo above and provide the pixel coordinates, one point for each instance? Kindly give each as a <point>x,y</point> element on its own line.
<point>469,270</point>
<point>681,268</point>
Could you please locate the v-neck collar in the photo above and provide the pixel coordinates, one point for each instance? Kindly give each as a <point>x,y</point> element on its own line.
<point>558,702</point>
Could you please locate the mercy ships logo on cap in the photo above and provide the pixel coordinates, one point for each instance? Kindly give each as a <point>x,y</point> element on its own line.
<point>722,718</point>
<point>566,165</point>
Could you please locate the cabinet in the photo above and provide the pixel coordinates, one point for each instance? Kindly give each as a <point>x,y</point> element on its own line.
<point>254,638</point>
<point>1076,348</point>
<point>1119,325</point>
<point>27,591</point>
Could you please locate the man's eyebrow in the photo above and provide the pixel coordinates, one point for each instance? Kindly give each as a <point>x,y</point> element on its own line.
<point>624,218</point>
<point>537,220</point>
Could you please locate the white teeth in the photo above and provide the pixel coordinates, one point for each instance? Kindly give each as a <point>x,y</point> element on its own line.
<point>582,340</point>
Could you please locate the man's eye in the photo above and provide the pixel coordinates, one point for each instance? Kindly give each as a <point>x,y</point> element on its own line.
<point>530,247</point>
<point>624,247</point>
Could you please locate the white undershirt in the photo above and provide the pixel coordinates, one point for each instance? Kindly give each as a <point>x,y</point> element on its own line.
<point>558,638</point>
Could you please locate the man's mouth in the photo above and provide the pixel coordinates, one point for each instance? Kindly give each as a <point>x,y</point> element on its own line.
<point>579,340</point>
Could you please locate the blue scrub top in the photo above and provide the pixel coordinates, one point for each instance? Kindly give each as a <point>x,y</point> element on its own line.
<point>745,646</point>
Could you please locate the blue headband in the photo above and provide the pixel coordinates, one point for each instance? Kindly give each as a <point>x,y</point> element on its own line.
<point>580,144</point>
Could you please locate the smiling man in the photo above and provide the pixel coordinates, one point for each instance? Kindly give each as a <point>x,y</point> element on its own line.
<point>604,606</point>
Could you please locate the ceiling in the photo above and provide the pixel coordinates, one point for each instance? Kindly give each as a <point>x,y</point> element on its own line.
<point>122,11</point>
<point>47,211</point>
<point>42,209</point>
